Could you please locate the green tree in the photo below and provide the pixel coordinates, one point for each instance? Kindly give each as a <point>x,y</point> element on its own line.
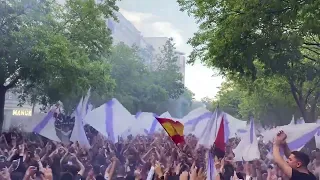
<point>141,88</point>
<point>208,103</point>
<point>51,52</point>
<point>135,88</point>
<point>166,74</point>
<point>229,98</point>
<point>167,71</point>
<point>268,100</point>
<point>282,37</point>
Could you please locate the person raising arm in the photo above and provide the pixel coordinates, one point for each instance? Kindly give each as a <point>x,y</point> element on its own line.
<point>296,165</point>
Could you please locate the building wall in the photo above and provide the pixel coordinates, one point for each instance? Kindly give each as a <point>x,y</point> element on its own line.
<point>124,31</point>
<point>14,114</point>
<point>182,65</point>
<point>12,102</point>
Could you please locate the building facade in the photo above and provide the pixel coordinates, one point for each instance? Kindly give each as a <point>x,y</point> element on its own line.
<point>182,64</point>
<point>124,31</point>
<point>13,114</point>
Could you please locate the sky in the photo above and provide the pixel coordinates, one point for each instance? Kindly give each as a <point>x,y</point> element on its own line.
<point>154,18</point>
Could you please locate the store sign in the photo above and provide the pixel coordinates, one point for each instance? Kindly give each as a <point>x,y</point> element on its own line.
<point>22,113</point>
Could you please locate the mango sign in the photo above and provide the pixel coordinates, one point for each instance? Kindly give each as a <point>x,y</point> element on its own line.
<point>22,113</point>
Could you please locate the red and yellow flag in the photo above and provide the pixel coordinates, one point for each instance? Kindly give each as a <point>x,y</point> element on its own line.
<point>173,128</point>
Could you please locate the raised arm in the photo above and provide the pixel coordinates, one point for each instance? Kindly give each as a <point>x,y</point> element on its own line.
<point>279,141</point>
<point>286,149</point>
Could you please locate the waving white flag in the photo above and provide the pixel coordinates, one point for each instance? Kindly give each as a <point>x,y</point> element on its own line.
<point>195,121</point>
<point>110,119</point>
<point>247,149</point>
<point>297,135</point>
<point>46,126</point>
<point>78,133</point>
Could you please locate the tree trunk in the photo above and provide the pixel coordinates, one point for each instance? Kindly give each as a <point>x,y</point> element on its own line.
<point>308,116</point>
<point>2,101</point>
<point>33,106</point>
<point>312,113</point>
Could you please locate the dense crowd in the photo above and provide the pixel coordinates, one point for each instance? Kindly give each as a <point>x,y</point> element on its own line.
<point>30,156</point>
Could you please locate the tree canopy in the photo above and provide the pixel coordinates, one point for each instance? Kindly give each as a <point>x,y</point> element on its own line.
<point>135,88</point>
<point>268,100</point>
<point>244,38</point>
<point>50,51</point>
<point>141,87</point>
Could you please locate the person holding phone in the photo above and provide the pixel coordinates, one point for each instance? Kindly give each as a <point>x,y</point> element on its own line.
<point>296,166</point>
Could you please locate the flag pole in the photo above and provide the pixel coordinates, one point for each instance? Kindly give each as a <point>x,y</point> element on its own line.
<point>217,110</point>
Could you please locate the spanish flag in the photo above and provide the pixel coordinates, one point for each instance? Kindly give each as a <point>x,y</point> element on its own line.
<point>173,128</point>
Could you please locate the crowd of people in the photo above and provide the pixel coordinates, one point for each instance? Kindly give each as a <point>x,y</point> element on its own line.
<point>26,156</point>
